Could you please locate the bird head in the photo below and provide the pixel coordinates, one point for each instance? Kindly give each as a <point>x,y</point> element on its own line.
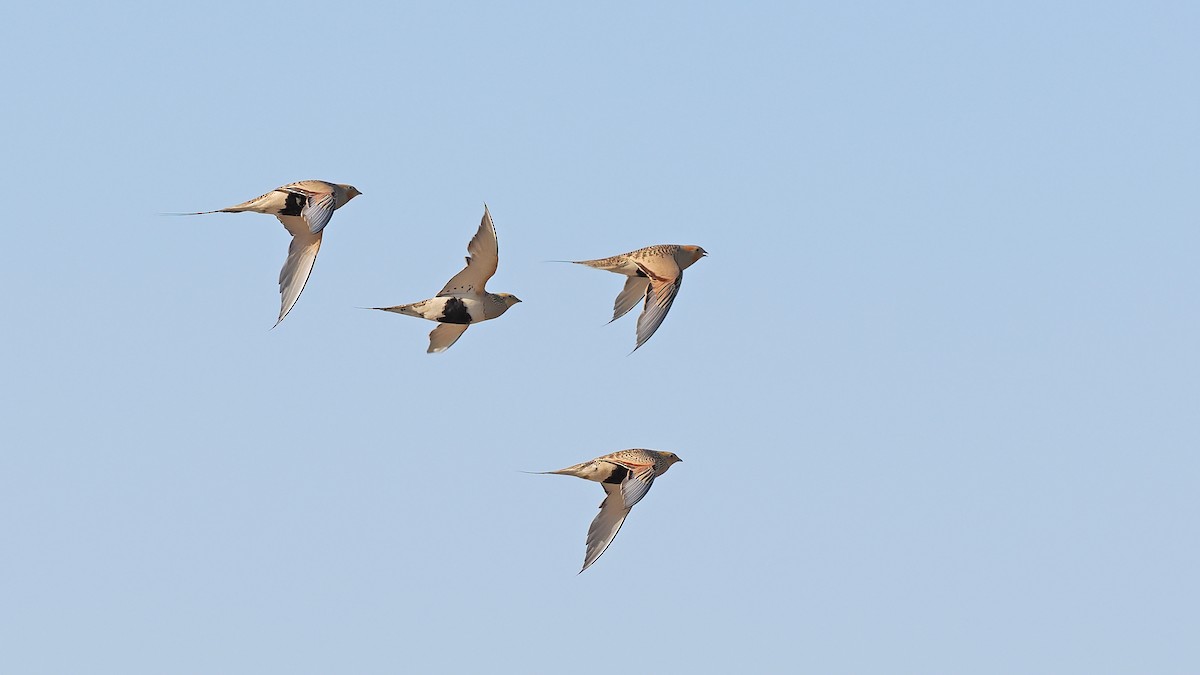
<point>351,191</point>
<point>508,298</point>
<point>670,458</point>
<point>693,253</point>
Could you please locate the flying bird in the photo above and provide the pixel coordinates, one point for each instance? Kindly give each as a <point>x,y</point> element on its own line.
<point>655,275</point>
<point>464,300</point>
<point>626,476</point>
<point>304,208</point>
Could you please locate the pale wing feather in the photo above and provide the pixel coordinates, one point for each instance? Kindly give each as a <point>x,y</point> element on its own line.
<point>636,484</point>
<point>318,211</point>
<point>606,525</point>
<point>658,302</point>
<point>482,262</point>
<point>296,225</point>
<point>445,335</point>
<point>635,289</point>
<point>302,253</point>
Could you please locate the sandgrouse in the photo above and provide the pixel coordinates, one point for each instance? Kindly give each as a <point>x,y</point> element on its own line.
<point>655,275</point>
<point>626,475</point>
<point>464,300</point>
<point>304,208</point>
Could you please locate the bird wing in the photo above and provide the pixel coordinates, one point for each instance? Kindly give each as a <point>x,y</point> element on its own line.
<point>658,266</point>
<point>635,289</point>
<point>318,207</point>
<point>302,253</point>
<point>445,335</point>
<point>637,482</point>
<point>482,262</point>
<point>659,298</point>
<point>318,211</point>
<point>606,524</point>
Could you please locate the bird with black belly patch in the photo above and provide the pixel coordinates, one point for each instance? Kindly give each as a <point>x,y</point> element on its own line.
<point>464,300</point>
<point>655,274</point>
<point>304,208</point>
<point>626,476</point>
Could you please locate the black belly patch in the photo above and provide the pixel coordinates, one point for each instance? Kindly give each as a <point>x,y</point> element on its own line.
<point>293,205</point>
<point>619,475</point>
<point>455,311</point>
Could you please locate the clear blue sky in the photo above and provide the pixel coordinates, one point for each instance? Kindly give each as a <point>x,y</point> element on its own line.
<point>936,387</point>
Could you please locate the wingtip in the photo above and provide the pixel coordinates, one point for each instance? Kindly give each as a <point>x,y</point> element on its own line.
<point>641,342</point>
<point>282,315</point>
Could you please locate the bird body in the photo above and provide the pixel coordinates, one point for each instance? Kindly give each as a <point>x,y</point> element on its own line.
<point>304,208</point>
<point>626,476</point>
<point>654,276</point>
<point>455,309</point>
<point>465,299</point>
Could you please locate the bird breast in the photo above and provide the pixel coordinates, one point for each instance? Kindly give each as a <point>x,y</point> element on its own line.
<point>454,309</point>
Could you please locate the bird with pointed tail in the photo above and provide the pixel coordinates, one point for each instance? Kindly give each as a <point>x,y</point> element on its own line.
<point>304,208</point>
<point>655,275</point>
<point>464,300</point>
<point>626,476</point>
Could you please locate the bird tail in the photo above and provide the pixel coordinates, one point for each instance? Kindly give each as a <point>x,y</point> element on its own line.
<point>407,310</point>
<point>612,264</point>
<point>577,470</point>
<point>600,263</point>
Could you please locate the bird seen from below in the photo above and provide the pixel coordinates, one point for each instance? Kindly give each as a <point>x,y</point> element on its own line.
<point>464,300</point>
<point>655,274</point>
<point>626,476</point>
<point>304,208</point>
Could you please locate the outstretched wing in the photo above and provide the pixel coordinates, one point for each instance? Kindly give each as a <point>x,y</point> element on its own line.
<point>606,525</point>
<point>482,262</point>
<point>302,253</point>
<point>445,335</point>
<point>665,280</point>
<point>635,289</point>
<point>615,508</point>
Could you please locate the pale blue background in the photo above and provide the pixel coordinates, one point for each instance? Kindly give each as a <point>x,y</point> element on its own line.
<point>936,387</point>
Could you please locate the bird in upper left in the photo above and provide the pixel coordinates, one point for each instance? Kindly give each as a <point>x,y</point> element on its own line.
<point>464,300</point>
<point>304,208</point>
